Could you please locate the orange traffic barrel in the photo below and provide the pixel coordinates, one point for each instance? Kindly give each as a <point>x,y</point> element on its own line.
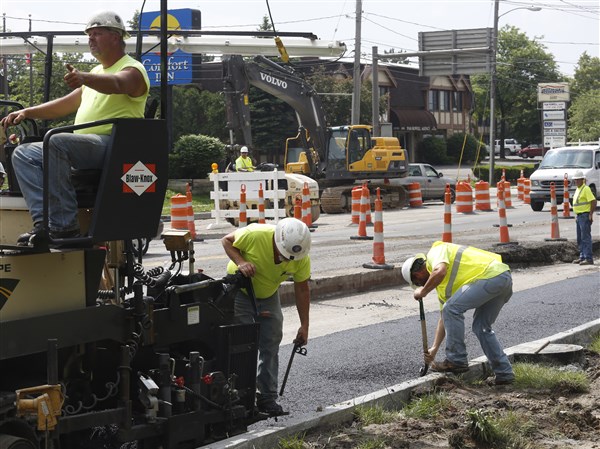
<point>464,197</point>
<point>415,199</point>
<point>482,196</point>
<point>179,212</point>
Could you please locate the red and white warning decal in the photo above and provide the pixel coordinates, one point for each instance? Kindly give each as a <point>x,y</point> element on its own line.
<point>139,178</point>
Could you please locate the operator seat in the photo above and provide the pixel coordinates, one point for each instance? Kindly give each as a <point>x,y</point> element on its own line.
<point>126,196</point>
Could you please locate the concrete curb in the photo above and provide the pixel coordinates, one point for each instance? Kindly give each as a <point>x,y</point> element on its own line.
<point>392,396</point>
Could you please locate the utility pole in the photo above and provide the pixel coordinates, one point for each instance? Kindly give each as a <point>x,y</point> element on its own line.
<point>4,63</point>
<point>493,93</point>
<point>375,93</point>
<point>30,71</point>
<point>355,119</point>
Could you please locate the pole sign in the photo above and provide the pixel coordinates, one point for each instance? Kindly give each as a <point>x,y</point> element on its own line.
<point>179,63</point>
<point>553,115</point>
<point>553,92</point>
<point>553,124</point>
<point>554,105</point>
<point>555,141</point>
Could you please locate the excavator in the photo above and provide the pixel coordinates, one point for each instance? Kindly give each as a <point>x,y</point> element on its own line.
<point>339,157</point>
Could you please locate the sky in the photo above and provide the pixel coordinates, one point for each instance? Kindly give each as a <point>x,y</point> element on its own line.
<point>567,28</point>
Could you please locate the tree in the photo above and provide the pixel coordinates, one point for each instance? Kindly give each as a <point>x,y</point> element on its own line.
<point>198,112</point>
<point>584,116</point>
<point>587,75</point>
<point>521,64</point>
<point>193,155</point>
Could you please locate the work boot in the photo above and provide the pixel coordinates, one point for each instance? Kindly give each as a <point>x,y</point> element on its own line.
<point>73,233</point>
<point>586,262</point>
<point>33,237</point>
<point>449,367</point>
<point>578,261</point>
<point>270,407</point>
<point>495,382</point>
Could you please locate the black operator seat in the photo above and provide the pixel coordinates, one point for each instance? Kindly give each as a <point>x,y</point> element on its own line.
<point>127,195</point>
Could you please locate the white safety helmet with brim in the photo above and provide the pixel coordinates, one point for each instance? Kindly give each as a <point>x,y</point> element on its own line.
<point>408,265</point>
<point>244,149</point>
<point>107,19</point>
<point>292,238</point>
<point>578,175</point>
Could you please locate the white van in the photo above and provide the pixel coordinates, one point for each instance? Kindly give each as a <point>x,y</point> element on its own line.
<point>559,162</point>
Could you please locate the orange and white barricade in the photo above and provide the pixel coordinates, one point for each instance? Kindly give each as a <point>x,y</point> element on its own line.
<point>415,199</point>
<point>464,197</point>
<point>507,195</point>
<point>520,186</point>
<point>482,196</point>
<point>243,218</point>
<point>356,195</point>
<point>298,209</point>
<point>261,204</point>
<point>362,224</point>
<point>378,245</point>
<point>566,200</point>
<point>179,219</point>
<point>527,191</point>
<point>306,206</point>
<point>447,234</point>
<point>554,231</point>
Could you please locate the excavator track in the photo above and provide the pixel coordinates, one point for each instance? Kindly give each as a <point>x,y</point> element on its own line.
<point>338,200</point>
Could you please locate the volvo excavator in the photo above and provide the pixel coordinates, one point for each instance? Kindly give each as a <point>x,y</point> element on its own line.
<point>339,158</point>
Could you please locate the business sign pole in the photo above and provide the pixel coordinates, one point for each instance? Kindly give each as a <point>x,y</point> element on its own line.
<point>554,98</point>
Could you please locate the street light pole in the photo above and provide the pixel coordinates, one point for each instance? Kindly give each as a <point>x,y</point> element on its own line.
<point>355,116</point>
<point>493,92</point>
<point>493,81</point>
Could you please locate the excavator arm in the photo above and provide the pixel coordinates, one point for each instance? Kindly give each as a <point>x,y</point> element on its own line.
<point>283,84</point>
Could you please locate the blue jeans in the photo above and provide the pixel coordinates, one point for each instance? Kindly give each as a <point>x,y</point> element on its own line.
<point>82,151</point>
<point>270,317</point>
<point>487,297</point>
<point>584,236</point>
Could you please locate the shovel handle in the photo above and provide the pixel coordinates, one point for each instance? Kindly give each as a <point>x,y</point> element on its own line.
<point>425,367</point>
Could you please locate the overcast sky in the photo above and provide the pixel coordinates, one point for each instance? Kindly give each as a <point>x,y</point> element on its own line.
<point>567,28</point>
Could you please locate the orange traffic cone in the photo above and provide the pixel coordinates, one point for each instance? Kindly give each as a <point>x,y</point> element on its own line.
<point>566,203</point>
<point>306,207</point>
<point>243,218</point>
<point>554,231</point>
<point>447,234</point>
<point>378,246</point>
<point>298,209</point>
<point>261,204</point>
<point>191,223</point>
<point>504,237</point>
<point>526,191</point>
<point>520,186</point>
<point>362,224</point>
<point>356,195</point>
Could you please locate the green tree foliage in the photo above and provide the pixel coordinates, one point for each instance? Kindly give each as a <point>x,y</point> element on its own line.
<point>521,64</point>
<point>193,155</point>
<point>455,151</point>
<point>587,75</point>
<point>584,117</point>
<point>273,121</point>
<point>433,151</point>
<point>198,112</point>
<point>26,82</point>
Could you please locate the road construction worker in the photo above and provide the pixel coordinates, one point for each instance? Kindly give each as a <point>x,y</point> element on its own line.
<point>118,87</point>
<point>584,205</point>
<point>244,163</point>
<point>464,278</point>
<point>269,255</point>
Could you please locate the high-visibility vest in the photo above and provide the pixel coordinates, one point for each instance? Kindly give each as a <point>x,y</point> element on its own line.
<point>582,200</point>
<point>466,264</point>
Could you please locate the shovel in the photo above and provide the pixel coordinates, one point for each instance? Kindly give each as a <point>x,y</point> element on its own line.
<point>425,367</point>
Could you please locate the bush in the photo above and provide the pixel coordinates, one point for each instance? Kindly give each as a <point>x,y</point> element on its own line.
<point>512,173</point>
<point>433,150</point>
<point>454,146</point>
<point>193,155</point>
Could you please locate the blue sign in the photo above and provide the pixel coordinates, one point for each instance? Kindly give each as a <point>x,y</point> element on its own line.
<point>179,63</point>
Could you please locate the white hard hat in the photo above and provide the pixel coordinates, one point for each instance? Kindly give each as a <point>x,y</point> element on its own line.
<point>107,19</point>
<point>578,175</point>
<point>244,149</point>
<point>407,267</point>
<point>292,238</point>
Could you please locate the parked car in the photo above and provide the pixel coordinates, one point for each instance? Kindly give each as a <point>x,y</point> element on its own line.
<point>533,150</point>
<point>511,146</point>
<point>433,183</point>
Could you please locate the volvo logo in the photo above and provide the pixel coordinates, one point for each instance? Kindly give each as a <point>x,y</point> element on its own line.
<point>272,80</point>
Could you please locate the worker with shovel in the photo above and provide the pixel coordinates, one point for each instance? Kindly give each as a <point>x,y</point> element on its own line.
<point>464,278</point>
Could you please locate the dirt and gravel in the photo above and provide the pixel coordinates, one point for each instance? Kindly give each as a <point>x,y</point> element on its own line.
<point>553,419</point>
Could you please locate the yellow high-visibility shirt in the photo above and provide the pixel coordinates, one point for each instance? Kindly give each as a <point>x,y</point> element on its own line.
<point>466,265</point>
<point>582,200</point>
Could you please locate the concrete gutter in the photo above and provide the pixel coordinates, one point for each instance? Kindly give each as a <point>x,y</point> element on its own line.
<point>391,397</point>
